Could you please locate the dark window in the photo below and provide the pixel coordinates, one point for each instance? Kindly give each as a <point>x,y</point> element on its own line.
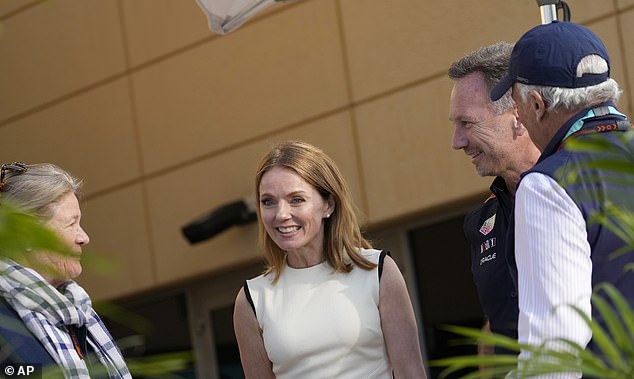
<point>445,286</point>
<point>227,352</point>
<point>150,326</point>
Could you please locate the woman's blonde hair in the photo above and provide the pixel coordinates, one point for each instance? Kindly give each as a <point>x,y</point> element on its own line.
<point>342,234</point>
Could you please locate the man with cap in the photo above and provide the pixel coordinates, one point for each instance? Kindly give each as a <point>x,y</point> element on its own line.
<point>491,134</point>
<point>559,74</point>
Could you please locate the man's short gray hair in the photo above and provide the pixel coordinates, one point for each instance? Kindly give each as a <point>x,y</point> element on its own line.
<point>493,62</point>
<point>571,99</point>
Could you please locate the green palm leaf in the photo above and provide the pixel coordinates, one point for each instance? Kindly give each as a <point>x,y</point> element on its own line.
<point>615,341</point>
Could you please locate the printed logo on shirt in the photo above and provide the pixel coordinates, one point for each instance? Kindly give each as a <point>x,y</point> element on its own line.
<point>489,257</point>
<point>488,225</point>
<point>486,245</point>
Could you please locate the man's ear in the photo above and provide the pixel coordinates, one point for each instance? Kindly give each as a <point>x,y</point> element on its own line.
<point>518,127</point>
<point>538,104</point>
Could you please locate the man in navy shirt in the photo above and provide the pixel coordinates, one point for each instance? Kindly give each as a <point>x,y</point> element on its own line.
<point>491,134</point>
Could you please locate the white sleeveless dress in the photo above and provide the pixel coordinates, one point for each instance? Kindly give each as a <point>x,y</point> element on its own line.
<point>320,324</point>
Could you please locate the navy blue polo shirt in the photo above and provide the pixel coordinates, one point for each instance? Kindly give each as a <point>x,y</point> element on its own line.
<point>486,230</point>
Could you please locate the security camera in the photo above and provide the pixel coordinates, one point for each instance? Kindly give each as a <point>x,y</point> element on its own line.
<point>236,213</point>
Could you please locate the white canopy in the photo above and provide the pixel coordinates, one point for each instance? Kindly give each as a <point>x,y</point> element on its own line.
<point>225,16</point>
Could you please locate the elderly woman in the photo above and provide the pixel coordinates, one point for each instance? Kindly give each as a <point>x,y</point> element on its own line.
<point>47,318</point>
<point>328,304</point>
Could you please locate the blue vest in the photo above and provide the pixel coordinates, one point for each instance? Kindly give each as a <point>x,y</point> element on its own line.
<point>17,344</point>
<point>592,187</point>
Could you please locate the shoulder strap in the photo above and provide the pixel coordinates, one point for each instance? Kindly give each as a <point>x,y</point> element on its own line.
<point>247,293</point>
<point>381,259</point>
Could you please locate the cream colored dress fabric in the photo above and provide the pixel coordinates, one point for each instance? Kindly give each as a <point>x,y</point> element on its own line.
<point>320,324</point>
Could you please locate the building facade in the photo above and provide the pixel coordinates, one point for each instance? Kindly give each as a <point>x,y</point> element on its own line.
<point>166,121</point>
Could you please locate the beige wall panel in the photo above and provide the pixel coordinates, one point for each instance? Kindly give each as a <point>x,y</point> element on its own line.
<point>392,45</point>
<point>627,33</point>
<point>242,85</point>
<point>180,197</point>
<point>8,6</point>
<point>607,30</point>
<point>57,47</point>
<point>157,27</point>
<point>621,4</point>
<point>91,136</point>
<point>581,11</point>
<point>408,162</point>
<point>118,236</point>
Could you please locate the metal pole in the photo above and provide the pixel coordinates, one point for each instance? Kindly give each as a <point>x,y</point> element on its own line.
<point>548,10</point>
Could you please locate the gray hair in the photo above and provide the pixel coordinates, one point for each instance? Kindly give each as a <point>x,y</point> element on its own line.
<point>493,62</point>
<point>37,188</point>
<point>571,99</point>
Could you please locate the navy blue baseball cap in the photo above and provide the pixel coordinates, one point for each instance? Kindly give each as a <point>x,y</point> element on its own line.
<point>548,55</point>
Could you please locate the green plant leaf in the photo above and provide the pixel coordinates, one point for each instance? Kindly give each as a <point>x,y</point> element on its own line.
<point>20,232</point>
<point>602,339</point>
<point>620,337</point>
<point>160,365</point>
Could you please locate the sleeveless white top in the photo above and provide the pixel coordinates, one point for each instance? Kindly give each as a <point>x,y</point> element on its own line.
<point>320,324</point>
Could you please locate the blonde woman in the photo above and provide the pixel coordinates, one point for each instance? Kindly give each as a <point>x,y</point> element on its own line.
<point>328,304</point>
